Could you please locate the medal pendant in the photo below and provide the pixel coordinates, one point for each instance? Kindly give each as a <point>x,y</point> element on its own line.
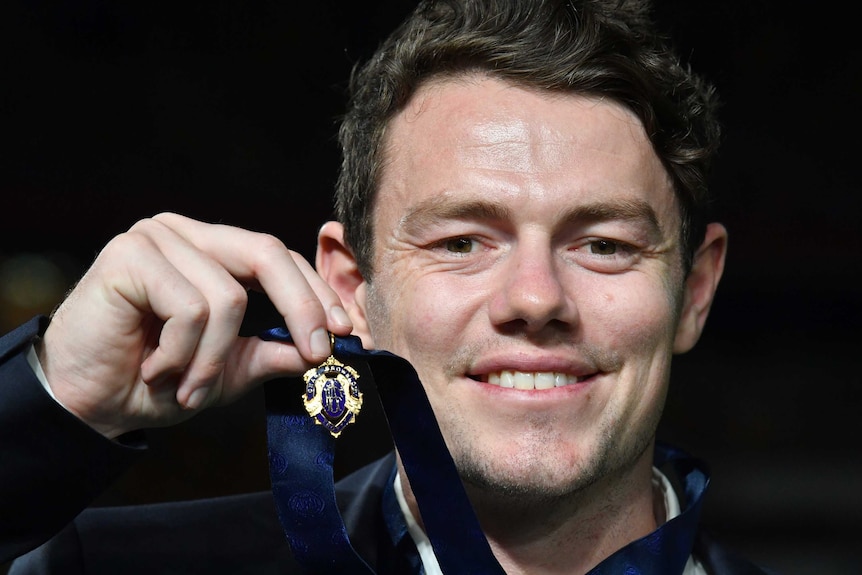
<point>332,397</point>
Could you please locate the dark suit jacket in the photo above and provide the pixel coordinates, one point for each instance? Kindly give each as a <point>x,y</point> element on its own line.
<point>53,466</point>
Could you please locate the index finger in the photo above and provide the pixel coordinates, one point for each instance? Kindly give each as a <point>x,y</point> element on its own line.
<point>310,307</point>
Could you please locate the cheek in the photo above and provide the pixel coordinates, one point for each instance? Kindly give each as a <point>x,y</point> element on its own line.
<point>441,310</point>
<point>637,319</point>
<point>416,312</point>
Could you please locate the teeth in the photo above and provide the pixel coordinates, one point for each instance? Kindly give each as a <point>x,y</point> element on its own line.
<point>524,380</point>
<point>545,380</point>
<point>535,380</point>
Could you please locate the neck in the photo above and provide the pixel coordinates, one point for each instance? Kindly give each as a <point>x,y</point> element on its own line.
<point>566,535</point>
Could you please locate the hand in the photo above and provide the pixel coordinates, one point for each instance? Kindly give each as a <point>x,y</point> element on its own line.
<point>150,333</point>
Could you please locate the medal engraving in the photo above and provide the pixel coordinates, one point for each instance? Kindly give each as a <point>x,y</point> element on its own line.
<point>332,397</point>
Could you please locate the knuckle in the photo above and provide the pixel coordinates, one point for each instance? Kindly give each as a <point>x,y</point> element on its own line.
<point>196,311</point>
<point>310,305</point>
<point>128,243</point>
<point>267,249</point>
<point>165,218</point>
<point>146,226</point>
<point>233,298</point>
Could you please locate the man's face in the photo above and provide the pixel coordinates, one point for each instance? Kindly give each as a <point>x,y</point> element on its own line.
<point>527,264</point>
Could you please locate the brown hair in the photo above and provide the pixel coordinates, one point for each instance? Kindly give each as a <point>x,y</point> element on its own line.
<point>606,48</point>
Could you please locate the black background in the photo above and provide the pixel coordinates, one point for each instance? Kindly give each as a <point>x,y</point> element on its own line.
<point>226,111</point>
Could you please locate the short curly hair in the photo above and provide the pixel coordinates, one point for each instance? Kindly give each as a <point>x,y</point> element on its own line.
<point>606,48</point>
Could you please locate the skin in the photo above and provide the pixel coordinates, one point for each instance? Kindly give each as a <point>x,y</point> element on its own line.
<point>149,335</point>
<point>517,231</point>
<point>514,231</point>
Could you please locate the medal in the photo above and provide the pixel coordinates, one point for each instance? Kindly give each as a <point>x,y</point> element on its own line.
<point>332,397</point>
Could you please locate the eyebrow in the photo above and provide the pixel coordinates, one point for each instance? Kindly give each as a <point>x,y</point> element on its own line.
<point>445,207</point>
<point>624,210</point>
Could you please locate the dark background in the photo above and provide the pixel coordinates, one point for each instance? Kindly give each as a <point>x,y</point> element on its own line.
<point>226,111</point>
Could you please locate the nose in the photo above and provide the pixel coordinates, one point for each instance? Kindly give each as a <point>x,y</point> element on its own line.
<point>532,293</point>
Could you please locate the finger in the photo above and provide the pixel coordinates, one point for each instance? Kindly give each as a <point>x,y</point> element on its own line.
<point>254,361</point>
<point>226,301</point>
<point>153,285</point>
<point>309,306</point>
<point>337,319</point>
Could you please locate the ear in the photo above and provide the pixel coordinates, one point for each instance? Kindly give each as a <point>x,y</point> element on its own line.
<point>337,266</point>
<point>700,286</point>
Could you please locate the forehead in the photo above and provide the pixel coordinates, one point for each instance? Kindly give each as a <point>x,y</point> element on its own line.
<point>482,138</point>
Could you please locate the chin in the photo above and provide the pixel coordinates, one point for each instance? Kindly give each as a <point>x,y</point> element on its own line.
<point>546,464</point>
<point>537,471</point>
<point>524,487</point>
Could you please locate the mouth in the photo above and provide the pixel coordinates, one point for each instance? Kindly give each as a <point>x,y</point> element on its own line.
<point>531,380</point>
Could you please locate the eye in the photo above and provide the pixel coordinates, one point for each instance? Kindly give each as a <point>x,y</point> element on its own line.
<point>603,247</point>
<point>460,245</point>
<point>606,255</point>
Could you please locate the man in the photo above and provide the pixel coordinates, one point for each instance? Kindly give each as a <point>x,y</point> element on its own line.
<point>521,216</point>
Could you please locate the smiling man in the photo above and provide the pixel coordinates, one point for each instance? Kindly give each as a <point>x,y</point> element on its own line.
<point>528,262</point>
<point>521,215</point>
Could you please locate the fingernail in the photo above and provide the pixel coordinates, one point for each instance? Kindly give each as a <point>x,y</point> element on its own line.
<point>197,398</point>
<point>320,345</point>
<point>340,316</point>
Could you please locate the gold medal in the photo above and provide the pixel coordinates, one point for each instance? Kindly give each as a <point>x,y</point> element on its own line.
<point>332,397</point>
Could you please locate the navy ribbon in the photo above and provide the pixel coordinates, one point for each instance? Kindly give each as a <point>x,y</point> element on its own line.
<point>301,472</point>
<point>301,457</point>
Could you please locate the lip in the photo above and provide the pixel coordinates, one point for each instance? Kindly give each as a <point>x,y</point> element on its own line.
<point>568,388</point>
<point>584,373</point>
<point>532,363</point>
<point>510,402</point>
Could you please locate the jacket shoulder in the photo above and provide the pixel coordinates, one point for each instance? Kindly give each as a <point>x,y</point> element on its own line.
<point>236,534</point>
